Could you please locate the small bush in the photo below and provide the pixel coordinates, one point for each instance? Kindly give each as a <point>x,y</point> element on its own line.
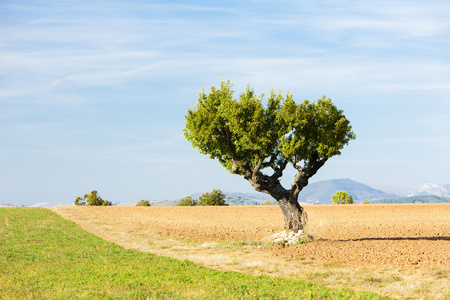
<point>342,198</point>
<point>187,201</point>
<point>143,203</point>
<point>92,199</point>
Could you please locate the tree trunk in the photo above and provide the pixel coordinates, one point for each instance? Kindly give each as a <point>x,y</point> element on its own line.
<point>295,217</point>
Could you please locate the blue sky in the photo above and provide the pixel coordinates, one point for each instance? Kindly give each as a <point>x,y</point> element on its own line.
<point>93,94</point>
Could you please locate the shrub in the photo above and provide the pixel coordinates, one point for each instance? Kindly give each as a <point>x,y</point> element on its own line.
<point>92,199</point>
<point>366,202</point>
<point>342,198</point>
<point>187,201</point>
<point>143,203</point>
<point>215,198</point>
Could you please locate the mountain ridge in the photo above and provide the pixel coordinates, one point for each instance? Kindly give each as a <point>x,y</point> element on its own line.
<point>321,192</point>
<point>315,193</point>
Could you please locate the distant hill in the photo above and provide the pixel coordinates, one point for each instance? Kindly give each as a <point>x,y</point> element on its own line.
<point>321,192</point>
<point>315,193</point>
<point>415,199</point>
<point>164,203</point>
<point>247,198</point>
<point>235,199</point>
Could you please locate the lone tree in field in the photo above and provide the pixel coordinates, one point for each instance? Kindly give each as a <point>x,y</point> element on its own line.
<point>92,199</point>
<point>258,141</point>
<point>341,197</point>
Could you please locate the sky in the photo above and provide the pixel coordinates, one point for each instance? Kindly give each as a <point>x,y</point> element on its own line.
<point>93,94</point>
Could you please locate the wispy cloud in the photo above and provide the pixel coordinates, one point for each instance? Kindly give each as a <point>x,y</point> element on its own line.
<point>112,48</point>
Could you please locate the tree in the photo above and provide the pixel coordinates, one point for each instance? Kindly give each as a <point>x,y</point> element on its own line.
<point>215,198</point>
<point>143,203</point>
<point>366,202</point>
<point>187,201</point>
<point>92,199</point>
<point>342,197</point>
<point>258,141</point>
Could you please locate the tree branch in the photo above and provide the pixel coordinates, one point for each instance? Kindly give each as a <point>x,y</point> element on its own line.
<point>226,135</point>
<point>303,175</point>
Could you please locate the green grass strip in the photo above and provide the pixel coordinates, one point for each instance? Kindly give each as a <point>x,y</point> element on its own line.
<point>43,256</point>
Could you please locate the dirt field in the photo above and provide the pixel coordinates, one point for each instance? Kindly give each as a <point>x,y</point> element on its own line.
<point>398,250</point>
<point>406,236</point>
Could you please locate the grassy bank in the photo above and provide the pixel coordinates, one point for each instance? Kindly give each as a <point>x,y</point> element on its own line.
<point>43,256</point>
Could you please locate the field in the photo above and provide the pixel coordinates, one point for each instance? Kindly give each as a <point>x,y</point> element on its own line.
<point>43,256</point>
<point>395,250</point>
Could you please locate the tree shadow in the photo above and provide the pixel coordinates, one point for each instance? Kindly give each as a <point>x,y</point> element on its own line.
<point>425,238</point>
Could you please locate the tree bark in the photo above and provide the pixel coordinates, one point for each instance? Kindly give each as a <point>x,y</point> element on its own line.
<point>295,217</point>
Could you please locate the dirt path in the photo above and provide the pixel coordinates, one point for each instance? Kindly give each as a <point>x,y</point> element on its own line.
<point>399,250</point>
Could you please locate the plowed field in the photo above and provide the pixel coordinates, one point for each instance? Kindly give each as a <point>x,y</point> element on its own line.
<point>401,236</point>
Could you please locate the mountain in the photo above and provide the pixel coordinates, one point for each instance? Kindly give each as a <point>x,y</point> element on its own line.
<point>164,203</point>
<point>431,189</point>
<point>242,198</point>
<point>399,191</point>
<point>321,192</point>
<point>315,193</point>
<point>415,199</point>
<point>247,198</point>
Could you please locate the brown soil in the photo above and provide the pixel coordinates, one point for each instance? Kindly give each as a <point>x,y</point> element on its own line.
<point>398,250</point>
<point>396,235</point>
<point>402,236</point>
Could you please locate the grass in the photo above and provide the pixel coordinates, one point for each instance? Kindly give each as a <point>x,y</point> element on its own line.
<point>43,256</point>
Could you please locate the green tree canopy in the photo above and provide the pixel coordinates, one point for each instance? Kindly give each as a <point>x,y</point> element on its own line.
<point>258,139</point>
<point>143,203</point>
<point>342,197</point>
<point>215,198</point>
<point>187,201</point>
<point>92,199</point>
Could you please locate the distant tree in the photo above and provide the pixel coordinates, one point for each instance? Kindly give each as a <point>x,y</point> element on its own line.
<point>342,198</point>
<point>366,202</point>
<point>187,201</point>
<point>258,139</point>
<point>92,199</point>
<point>215,198</point>
<point>143,203</point>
